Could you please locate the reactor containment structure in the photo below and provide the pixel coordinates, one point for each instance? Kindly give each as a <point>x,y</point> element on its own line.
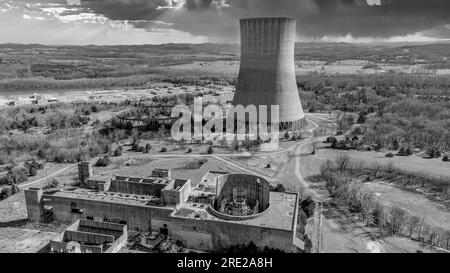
<point>267,71</point>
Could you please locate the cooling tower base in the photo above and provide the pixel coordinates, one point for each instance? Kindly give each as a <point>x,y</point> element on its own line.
<point>293,125</point>
<point>283,126</point>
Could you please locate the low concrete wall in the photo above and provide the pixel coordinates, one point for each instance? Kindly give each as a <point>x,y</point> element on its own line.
<point>64,247</point>
<point>87,237</point>
<point>118,244</point>
<point>115,230</point>
<point>135,187</point>
<point>213,235</point>
<point>229,217</point>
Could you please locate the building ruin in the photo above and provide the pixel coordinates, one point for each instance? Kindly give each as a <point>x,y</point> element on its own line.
<point>86,236</point>
<point>222,211</point>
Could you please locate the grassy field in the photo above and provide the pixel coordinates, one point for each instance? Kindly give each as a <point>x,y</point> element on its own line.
<point>413,163</point>
<point>416,204</point>
<point>15,240</point>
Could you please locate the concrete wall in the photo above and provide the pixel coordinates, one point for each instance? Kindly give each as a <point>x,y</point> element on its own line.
<point>84,171</point>
<point>91,232</point>
<point>136,217</point>
<point>179,192</point>
<point>95,184</point>
<point>213,236</point>
<point>118,244</point>
<point>116,230</point>
<point>33,199</point>
<point>104,186</point>
<point>255,190</point>
<point>131,187</point>
<point>65,247</point>
<point>87,237</point>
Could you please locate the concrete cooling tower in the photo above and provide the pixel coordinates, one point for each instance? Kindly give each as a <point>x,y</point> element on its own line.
<point>267,72</point>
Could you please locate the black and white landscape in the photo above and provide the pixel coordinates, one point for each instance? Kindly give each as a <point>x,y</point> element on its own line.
<point>90,92</point>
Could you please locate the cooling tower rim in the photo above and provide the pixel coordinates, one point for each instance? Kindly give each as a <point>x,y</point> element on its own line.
<point>255,19</point>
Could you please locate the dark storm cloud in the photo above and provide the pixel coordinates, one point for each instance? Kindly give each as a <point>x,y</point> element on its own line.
<point>392,17</point>
<point>316,18</point>
<point>127,9</point>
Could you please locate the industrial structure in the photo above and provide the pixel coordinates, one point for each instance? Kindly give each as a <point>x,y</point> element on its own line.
<point>267,72</point>
<point>145,117</point>
<point>86,236</point>
<point>222,211</point>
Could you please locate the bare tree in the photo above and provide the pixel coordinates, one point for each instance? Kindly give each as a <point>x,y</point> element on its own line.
<point>342,162</point>
<point>421,228</point>
<point>412,223</point>
<point>397,220</point>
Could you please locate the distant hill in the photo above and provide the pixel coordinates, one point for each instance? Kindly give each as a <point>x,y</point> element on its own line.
<point>30,65</point>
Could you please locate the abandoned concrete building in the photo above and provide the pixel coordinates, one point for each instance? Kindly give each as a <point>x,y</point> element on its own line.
<point>223,210</point>
<point>86,236</point>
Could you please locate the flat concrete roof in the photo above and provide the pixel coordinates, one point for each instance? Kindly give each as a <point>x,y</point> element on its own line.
<point>279,215</point>
<point>145,180</point>
<point>109,197</point>
<point>100,177</point>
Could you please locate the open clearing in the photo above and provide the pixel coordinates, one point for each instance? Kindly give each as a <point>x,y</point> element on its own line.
<point>15,240</point>
<point>414,203</point>
<point>412,163</point>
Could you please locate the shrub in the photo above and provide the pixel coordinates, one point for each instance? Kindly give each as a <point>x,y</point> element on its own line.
<point>14,176</point>
<point>403,152</point>
<point>390,155</point>
<point>33,171</point>
<point>210,150</point>
<point>308,206</point>
<point>52,184</point>
<point>135,145</point>
<point>5,193</point>
<point>103,161</point>
<point>302,218</point>
<point>433,153</point>
<point>445,159</point>
<point>163,150</point>
<point>331,140</point>
<point>286,135</point>
<point>409,151</point>
<point>189,151</point>
<point>118,151</point>
<point>278,188</point>
<point>357,131</point>
<point>362,118</point>
<point>195,164</point>
<point>41,154</point>
<point>148,147</point>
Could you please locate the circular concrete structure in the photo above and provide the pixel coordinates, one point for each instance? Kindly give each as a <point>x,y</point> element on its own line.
<point>240,197</point>
<point>267,73</point>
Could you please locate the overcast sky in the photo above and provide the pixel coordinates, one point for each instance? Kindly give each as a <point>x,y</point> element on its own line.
<point>197,21</point>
